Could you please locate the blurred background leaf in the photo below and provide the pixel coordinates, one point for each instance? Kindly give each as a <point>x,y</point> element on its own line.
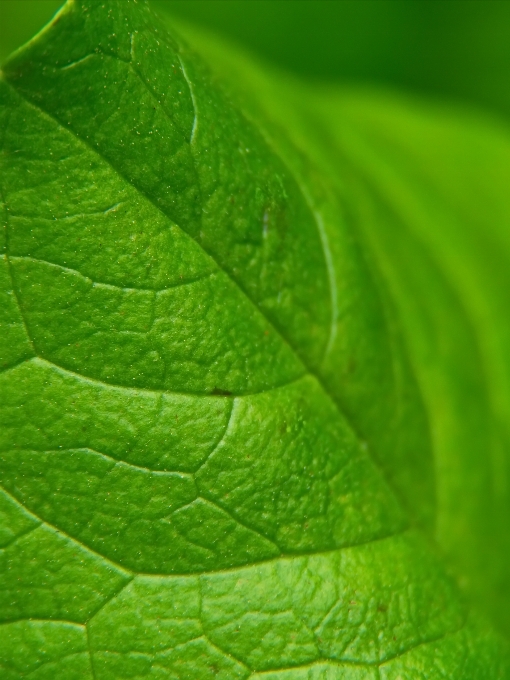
<point>21,19</point>
<point>458,49</point>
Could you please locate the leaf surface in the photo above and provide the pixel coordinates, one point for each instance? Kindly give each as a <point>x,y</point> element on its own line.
<point>215,455</point>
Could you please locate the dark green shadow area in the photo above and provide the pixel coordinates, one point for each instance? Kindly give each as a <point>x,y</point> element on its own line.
<point>454,48</point>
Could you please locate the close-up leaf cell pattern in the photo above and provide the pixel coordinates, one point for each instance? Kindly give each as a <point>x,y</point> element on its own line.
<point>228,435</point>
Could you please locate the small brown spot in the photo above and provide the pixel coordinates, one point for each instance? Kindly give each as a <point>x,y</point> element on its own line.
<point>218,392</point>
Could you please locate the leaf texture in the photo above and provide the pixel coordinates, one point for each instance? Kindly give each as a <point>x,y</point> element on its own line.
<point>222,452</point>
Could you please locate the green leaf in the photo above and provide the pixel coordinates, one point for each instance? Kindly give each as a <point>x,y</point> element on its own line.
<point>246,430</point>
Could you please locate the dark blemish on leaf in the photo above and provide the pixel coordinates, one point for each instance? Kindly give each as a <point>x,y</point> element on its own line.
<point>381,607</point>
<point>217,392</point>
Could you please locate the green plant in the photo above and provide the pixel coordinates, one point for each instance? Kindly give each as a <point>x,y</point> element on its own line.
<point>255,369</point>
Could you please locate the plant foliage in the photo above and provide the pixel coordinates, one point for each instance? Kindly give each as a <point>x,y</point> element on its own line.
<point>255,370</point>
